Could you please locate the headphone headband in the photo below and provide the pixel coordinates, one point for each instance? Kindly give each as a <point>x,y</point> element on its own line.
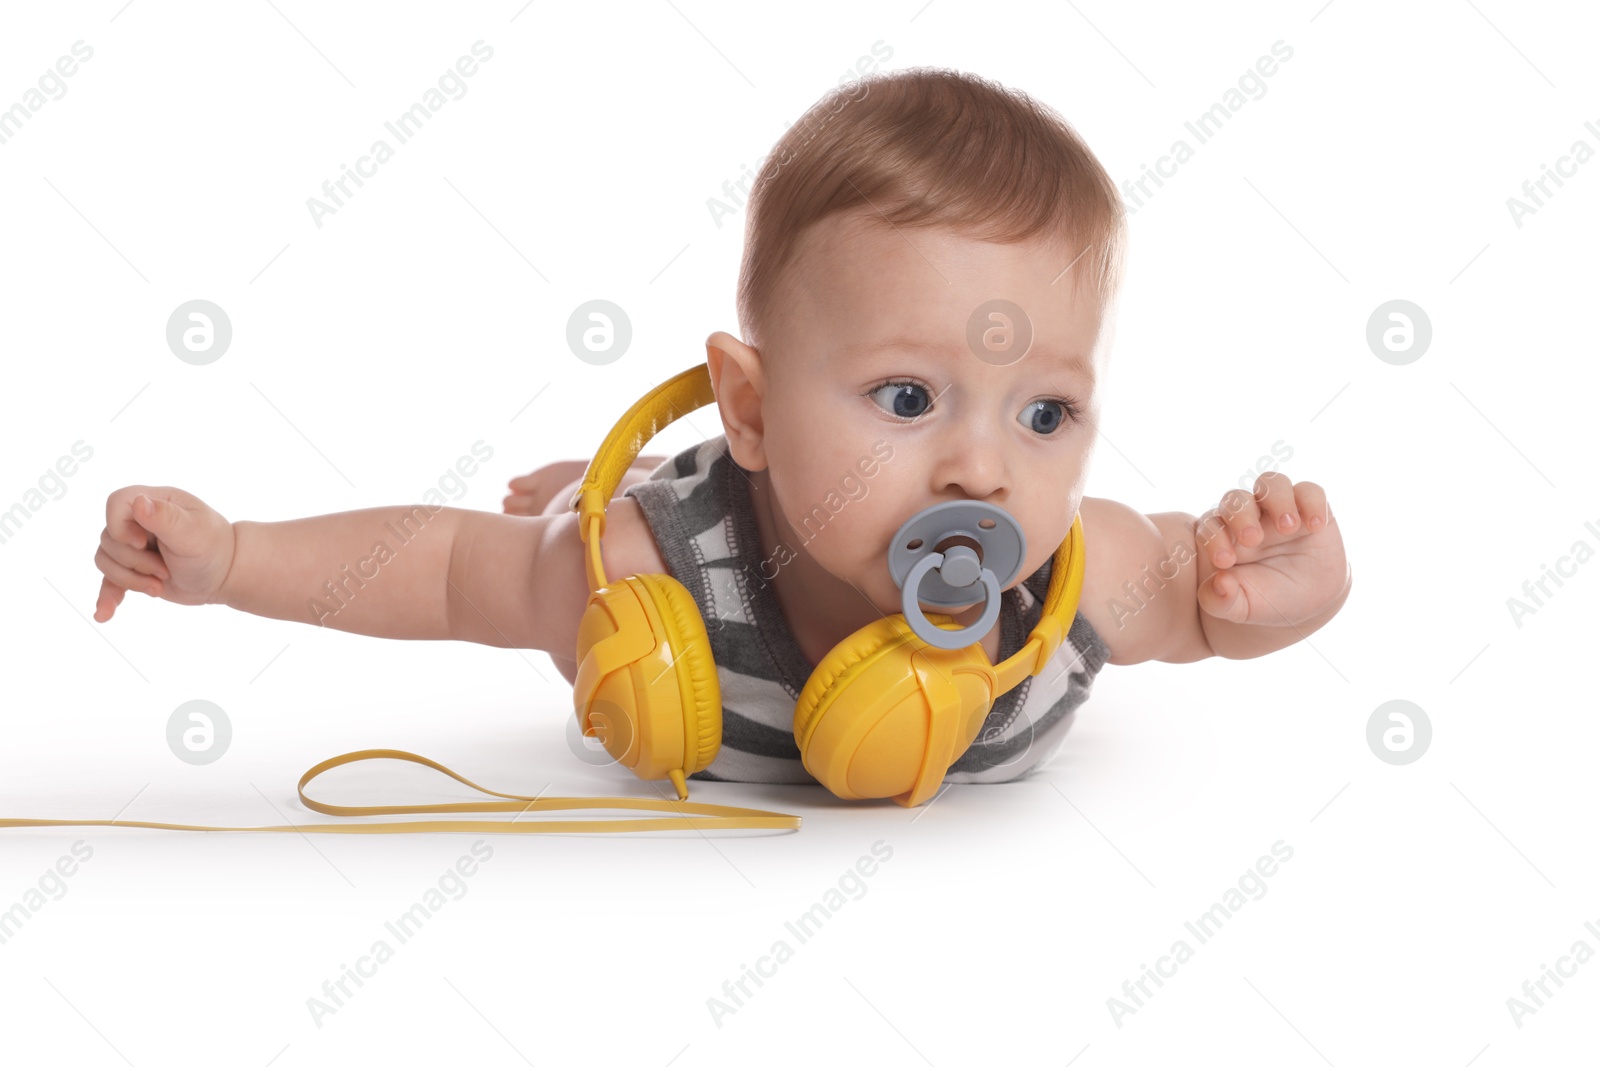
<point>649,415</point>
<point>690,390</point>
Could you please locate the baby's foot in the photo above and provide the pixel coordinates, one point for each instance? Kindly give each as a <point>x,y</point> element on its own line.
<point>532,493</point>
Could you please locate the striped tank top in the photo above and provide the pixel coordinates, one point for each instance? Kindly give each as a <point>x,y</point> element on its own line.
<point>698,507</point>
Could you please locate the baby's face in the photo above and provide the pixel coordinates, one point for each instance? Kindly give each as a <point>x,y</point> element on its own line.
<point>870,357</point>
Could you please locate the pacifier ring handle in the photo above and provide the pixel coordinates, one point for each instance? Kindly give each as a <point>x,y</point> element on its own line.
<point>973,536</point>
<point>937,636</point>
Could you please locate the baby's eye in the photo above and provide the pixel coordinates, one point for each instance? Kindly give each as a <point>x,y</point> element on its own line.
<point>1049,419</point>
<point>906,399</point>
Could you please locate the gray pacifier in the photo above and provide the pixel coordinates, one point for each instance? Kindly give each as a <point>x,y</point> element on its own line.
<point>955,554</point>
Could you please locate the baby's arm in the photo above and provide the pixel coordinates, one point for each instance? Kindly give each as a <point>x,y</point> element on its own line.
<point>376,571</point>
<point>520,582</point>
<point>463,575</point>
<point>408,572</point>
<point>385,572</point>
<point>1261,571</point>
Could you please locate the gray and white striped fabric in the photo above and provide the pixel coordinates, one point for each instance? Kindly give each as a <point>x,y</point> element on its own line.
<point>697,504</point>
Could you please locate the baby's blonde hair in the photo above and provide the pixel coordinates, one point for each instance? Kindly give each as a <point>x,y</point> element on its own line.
<point>930,146</point>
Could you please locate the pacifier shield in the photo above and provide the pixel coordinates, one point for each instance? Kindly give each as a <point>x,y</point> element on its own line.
<point>1000,547</point>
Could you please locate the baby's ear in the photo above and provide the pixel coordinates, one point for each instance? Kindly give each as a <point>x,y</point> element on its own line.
<point>739,385</point>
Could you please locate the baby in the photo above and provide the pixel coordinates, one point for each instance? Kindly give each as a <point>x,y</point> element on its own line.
<point>927,300</point>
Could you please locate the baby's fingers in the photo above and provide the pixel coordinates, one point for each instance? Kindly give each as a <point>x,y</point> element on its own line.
<point>1224,596</point>
<point>1213,538</point>
<point>126,577</point>
<point>121,524</point>
<point>1276,494</point>
<point>1313,504</point>
<point>142,560</point>
<point>110,597</point>
<point>111,593</point>
<point>1242,512</point>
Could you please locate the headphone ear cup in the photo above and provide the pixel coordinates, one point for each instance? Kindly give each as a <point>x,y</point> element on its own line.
<point>818,694</point>
<point>690,649</point>
<point>646,680</point>
<point>885,714</point>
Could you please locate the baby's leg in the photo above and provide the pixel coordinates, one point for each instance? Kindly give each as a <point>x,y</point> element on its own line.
<point>547,490</point>
<point>636,473</point>
<point>562,499</point>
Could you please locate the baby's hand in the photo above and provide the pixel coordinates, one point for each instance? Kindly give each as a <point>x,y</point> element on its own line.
<point>163,542</point>
<point>1274,558</point>
<point>532,493</point>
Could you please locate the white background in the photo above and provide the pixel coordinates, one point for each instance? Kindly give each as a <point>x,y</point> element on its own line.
<point>370,354</point>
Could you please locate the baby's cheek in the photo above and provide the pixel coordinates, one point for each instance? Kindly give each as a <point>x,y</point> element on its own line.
<point>850,555</point>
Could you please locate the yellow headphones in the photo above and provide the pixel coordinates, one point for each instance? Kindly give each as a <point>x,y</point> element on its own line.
<point>883,714</point>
